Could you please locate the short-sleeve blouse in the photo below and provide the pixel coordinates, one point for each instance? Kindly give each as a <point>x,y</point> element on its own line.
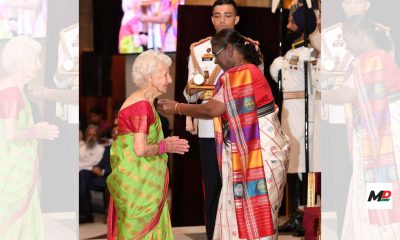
<point>136,118</point>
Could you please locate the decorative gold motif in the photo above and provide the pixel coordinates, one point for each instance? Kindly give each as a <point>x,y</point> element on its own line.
<point>207,94</point>
<point>311,190</point>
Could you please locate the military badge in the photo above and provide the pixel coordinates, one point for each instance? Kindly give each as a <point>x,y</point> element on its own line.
<point>294,59</point>
<point>339,42</point>
<point>207,56</point>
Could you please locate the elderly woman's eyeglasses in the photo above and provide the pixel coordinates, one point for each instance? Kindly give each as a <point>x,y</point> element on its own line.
<point>219,51</point>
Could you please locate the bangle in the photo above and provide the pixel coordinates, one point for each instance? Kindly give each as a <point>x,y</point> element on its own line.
<point>177,108</point>
<point>162,147</point>
<point>176,105</point>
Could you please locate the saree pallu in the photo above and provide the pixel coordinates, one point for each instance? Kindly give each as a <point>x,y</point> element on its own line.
<point>374,147</point>
<point>253,164</point>
<point>394,107</point>
<point>138,187</point>
<point>20,213</point>
<point>373,125</point>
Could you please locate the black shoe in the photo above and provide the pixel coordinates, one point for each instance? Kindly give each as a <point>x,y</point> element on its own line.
<point>298,232</point>
<point>298,229</point>
<point>87,218</point>
<point>287,227</point>
<point>294,223</point>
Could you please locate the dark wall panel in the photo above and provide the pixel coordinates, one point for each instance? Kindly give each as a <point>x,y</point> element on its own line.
<point>95,74</point>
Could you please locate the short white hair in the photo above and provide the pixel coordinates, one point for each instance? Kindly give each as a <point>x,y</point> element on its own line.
<point>146,64</point>
<point>16,50</point>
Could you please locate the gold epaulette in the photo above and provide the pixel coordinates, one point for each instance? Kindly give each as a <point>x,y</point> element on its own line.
<point>199,42</point>
<point>214,74</point>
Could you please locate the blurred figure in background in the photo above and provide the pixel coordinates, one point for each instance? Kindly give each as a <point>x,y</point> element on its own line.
<point>160,18</point>
<point>90,155</point>
<point>96,118</point>
<point>129,33</point>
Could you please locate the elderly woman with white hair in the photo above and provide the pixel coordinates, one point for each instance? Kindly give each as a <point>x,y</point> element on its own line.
<point>138,182</point>
<point>20,214</point>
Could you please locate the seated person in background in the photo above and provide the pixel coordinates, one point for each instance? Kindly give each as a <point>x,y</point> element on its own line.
<point>107,133</point>
<point>103,169</point>
<point>90,155</point>
<point>96,118</point>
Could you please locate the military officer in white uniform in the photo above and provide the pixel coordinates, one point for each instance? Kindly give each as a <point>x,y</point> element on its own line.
<point>292,66</point>
<point>293,110</point>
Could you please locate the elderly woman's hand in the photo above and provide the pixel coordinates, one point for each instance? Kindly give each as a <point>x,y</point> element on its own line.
<point>166,106</point>
<point>176,145</point>
<point>44,130</point>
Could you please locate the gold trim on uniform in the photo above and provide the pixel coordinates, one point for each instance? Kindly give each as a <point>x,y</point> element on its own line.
<point>214,74</point>
<point>298,44</point>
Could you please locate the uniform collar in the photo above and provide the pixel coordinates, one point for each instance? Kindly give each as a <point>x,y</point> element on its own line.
<point>298,44</point>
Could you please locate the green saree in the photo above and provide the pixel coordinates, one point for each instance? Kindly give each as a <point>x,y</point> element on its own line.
<point>138,185</point>
<point>20,214</point>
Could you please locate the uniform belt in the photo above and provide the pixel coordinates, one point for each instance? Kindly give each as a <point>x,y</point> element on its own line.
<point>299,95</point>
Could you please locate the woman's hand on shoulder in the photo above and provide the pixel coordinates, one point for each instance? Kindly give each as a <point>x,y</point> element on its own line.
<point>177,145</point>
